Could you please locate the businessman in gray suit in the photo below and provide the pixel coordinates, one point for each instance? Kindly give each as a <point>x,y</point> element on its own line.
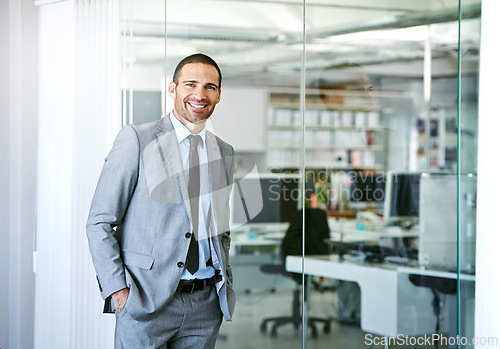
<point>158,227</point>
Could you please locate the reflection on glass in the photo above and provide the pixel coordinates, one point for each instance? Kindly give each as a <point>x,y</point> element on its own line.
<point>381,102</point>
<point>381,116</point>
<point>143,57</point>
<point>267,139</point>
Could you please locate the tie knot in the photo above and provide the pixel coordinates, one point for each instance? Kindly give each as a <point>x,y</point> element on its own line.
<point>194,140</point>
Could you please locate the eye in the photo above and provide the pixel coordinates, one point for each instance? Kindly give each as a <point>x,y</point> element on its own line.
<point>190,84</point>
<point>210,87</point>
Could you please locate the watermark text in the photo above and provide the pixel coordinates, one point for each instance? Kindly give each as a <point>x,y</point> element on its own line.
<point>432,339</point>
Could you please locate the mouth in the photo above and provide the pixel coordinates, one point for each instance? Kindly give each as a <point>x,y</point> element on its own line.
<point>197,106</point>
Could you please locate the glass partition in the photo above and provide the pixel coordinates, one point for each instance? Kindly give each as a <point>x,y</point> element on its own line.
<point>467,137</point>
<point>390,140</point>
<point>354,125</point>
<point>143,60</point>
<point>260,55</point>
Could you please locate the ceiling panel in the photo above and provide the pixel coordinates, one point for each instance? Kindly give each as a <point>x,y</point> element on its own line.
<point>260,41</point>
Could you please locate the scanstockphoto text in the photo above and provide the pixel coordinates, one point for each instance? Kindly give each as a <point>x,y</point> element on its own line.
<point>433,339</point>
<point>355,186</point>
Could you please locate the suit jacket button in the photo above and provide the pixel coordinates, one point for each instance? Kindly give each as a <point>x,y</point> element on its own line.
<point>180,265</point>
<point>188,235</point>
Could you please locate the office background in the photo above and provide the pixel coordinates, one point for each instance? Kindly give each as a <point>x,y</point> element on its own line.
<point>51,166</point>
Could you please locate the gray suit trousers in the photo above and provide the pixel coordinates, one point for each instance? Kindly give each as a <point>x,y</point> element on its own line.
<point>188,321</point>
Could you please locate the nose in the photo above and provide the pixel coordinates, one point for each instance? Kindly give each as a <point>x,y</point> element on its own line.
<point>199,93</point>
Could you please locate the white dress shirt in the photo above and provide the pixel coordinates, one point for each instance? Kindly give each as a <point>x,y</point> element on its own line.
<point>182,133</point>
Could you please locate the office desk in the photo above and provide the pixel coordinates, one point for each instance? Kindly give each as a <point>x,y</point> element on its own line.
<point>346,231</point>
<point>369,236</point>
<point>241,239</point>
<point>390,303</point>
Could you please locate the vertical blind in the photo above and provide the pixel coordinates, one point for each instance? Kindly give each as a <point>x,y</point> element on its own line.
<point>79,117</point>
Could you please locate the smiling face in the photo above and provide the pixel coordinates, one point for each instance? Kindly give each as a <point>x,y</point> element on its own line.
<point>195,94</point>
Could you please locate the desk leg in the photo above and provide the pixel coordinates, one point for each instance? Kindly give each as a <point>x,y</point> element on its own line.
<point>305,308</point>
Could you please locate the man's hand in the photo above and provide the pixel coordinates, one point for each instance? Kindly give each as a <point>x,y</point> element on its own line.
<point>120,298</point>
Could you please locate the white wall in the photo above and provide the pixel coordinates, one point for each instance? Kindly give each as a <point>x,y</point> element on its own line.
<point>18,141</point>
<point>487,322</point>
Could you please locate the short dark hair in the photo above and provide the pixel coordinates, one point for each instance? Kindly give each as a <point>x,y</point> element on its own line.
<point>196,58</point>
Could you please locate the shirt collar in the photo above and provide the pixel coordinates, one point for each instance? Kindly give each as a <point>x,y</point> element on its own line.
<point>181,131</point>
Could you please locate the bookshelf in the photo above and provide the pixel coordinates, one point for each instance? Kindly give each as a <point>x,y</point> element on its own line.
<point>335,136</point>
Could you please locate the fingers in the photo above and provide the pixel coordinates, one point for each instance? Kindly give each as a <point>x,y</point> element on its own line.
<point>120,298</point>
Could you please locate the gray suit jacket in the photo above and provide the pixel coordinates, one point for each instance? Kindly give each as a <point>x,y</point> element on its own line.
<point>140,215</point>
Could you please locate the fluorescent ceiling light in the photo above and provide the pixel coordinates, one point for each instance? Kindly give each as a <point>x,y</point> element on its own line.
<point>407,34</point>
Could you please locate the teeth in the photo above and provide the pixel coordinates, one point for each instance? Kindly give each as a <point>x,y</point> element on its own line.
<point>197,106</point>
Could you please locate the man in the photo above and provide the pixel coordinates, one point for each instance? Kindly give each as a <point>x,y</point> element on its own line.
<point>350,86</point>
<point>349,78</point>
<point>158,227</point>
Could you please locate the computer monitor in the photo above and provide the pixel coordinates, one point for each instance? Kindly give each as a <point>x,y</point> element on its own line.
<point>402,195</point>
<point>366,187</point>
<point>263,200</point>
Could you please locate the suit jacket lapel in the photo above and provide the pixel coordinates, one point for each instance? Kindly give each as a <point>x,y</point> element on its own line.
<point>216,173</point>
<point>172,157</point>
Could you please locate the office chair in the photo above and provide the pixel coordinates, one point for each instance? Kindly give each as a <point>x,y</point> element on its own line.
<point>317,231</point>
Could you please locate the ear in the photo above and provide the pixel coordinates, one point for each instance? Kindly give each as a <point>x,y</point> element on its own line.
<point>171,89</point>
<point>218,99</point>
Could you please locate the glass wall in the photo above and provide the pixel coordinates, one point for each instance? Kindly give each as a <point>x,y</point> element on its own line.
<point>390,132</point>
<point>355,130</point>
<point>143,60</point>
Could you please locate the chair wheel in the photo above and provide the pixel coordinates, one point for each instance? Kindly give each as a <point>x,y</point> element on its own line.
<point>263,327</point>
<point>314,333</point>
<point>326,329</point>
<point>274,334</point>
